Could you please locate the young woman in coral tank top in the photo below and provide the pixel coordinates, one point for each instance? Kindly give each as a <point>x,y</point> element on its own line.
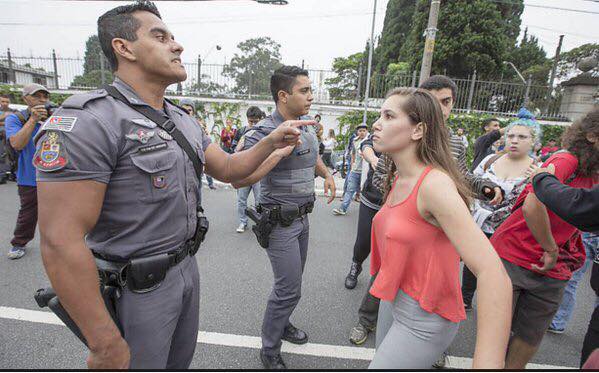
<point>418,237</point>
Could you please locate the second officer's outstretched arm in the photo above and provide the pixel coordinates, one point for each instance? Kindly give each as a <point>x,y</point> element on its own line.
<point>235,167</point>
<point>67,211</point>
<point>265,167</point>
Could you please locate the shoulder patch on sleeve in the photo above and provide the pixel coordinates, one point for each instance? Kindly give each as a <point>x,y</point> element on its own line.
<point>50,155</point>
<point>78,101</point>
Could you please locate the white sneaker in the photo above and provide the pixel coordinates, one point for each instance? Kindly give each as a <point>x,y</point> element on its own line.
<point>338,212</point>
<point>16,253</point>
<point>241,228</point>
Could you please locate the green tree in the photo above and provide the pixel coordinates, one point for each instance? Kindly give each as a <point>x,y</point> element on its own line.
<point>531,59</point>
<point>344,86</point>
<point>91,58</point>
<point>566,67</point>
<point>396,28</point>
<point>207,86</point>
<point>253,67</point>
<point>473,34</point>
<point>92,73</point>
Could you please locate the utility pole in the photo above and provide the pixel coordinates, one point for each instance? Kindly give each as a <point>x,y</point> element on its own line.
<point>553,70</point>
<point>429,45</point>
<point>370,48</point>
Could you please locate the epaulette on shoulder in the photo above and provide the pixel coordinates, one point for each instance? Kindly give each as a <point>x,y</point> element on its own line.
<point>78,101</point>
<point>175,105</point>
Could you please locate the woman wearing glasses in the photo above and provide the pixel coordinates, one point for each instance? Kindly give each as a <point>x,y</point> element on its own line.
<point>510,170</point>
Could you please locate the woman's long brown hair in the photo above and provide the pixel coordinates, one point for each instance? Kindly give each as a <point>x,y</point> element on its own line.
<point>433,149</point>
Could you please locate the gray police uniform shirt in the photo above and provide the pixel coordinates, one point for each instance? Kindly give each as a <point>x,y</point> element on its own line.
<point>152,189</point>
<point>280,185</point>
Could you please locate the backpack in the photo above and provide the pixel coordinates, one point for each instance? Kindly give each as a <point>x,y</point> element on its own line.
<point>12,155</point>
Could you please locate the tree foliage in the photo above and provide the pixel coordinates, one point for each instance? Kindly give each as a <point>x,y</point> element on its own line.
<point>566,68</point>
<point>473,35</point>
<point>92,73</point>
<point>344,86</point>
<point>396,28</point>
<point>253,67</point>
<point>531,59</point>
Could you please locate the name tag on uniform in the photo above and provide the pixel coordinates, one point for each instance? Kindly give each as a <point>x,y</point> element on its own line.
<point>152,148</point>
<point>303,152</point>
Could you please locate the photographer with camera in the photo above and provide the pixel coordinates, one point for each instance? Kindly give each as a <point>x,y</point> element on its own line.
<point>21,127</point>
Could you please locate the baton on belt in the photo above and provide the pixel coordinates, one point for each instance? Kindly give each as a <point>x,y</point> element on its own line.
<point>47,298</point>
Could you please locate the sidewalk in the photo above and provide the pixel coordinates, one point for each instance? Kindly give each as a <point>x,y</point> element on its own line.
<point>318,185</point>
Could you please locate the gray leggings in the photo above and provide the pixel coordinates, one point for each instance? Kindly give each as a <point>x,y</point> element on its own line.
<point>407,337</point>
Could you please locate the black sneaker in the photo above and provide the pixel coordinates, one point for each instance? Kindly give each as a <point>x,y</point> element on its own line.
<point>352,277</point>
<point>468,307</point>
<point>272,362</point>
<point>294,335</point>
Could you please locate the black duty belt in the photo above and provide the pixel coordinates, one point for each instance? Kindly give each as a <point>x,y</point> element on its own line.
<point>285,214</point>
<point>141,275</point>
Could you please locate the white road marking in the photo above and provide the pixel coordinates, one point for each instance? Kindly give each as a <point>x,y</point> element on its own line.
<point>246,341</point>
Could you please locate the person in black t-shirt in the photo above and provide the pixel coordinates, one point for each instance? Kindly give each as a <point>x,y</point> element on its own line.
<point>483,146</point>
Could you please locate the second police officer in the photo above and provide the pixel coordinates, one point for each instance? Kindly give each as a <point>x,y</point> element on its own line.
<point>118,180</point>
<point>286,198</point>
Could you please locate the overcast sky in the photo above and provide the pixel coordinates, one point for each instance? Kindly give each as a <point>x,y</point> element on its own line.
<point>312,30</point>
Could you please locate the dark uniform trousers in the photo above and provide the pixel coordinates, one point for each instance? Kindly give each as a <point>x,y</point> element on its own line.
<point>161,326</point>
<point>287,251</point>
<point>27,218</point>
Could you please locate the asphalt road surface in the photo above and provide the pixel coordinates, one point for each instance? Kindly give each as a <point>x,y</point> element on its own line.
<point>235,281</point>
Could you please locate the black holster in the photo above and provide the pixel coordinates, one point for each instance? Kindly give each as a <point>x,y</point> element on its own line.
<point>263,226</point>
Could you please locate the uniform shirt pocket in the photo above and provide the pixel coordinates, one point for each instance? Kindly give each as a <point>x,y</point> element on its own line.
<point>157,176</point>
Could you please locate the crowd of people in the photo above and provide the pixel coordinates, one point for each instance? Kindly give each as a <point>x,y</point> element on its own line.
<point>117,175</point>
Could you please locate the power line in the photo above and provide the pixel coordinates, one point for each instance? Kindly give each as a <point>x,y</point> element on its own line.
<point>198,20</point>
<point>590,37</point>
<point>547,6</point>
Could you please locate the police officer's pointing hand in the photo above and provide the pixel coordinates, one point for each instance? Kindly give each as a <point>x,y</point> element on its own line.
<point>288,134</point>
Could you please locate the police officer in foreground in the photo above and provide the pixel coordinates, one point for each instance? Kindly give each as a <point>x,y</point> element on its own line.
<point>286,198</point>
<point>118,182</point>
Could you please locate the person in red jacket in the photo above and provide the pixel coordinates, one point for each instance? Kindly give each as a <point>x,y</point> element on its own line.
<point>226,136</point>
<point>540,250</point>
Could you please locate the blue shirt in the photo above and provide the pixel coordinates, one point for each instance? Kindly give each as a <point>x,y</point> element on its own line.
<point>25,170</point>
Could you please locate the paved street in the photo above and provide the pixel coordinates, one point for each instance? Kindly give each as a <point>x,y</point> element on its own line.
<point>235,281</point>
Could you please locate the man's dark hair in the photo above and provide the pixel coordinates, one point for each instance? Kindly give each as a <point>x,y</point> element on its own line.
<point>317,116</point>
<point>254,112</point>
<point>488,121</point>
<point>438,82</point>
<point>120,23</point>
<point>283,80</point>
<point>5,96</point>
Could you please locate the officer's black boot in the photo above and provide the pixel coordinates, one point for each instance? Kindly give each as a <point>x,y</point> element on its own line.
<point>294,335</point>
<point>274,362</point>
<point>352,277</point>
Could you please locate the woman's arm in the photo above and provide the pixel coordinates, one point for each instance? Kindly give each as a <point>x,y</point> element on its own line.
<point>439,198</point>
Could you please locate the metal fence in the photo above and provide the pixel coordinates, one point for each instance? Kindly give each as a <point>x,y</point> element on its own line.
<point>474,95</point>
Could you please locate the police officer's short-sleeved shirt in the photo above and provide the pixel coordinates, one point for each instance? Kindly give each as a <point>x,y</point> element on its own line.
<point>263,129</point>
<point>151,186</point>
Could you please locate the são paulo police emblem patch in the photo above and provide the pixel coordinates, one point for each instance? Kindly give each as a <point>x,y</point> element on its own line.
<point>50,156</point>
